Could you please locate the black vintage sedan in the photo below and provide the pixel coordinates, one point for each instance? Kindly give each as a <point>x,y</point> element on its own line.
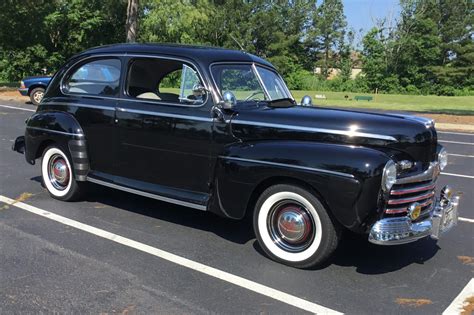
<point>218,130</point>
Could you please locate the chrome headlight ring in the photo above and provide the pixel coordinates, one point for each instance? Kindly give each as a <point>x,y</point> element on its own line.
<point>442,158</point>
<point>389,175</point>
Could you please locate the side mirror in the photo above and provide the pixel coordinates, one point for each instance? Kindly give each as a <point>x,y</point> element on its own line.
<point>198,88</point>
<point>228,100</point>
<point>306,101</point>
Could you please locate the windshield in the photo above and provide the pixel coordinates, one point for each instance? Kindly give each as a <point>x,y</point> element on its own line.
<point>249,83</point>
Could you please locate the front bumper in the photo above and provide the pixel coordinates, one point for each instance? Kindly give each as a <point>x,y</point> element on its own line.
<point>401,230</point>
<point>23,91</point>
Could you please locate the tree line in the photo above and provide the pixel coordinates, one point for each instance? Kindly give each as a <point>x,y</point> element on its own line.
<point>429,49</point>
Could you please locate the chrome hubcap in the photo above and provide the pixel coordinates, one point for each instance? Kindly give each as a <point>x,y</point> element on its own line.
<point>58,172</point>
<point>291,226</point>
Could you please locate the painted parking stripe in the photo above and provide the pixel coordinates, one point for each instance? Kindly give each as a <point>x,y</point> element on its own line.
<point>187,263</point>
<point>456,142</point>
<point>456,133</point>
<point>457,175</point>
<point>466,220</point>
<point>461,155</point>
<point>456,307</point>
<point>14,107</point>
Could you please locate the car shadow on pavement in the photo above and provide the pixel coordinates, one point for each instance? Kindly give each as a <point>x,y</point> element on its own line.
<point>356,251</point>
<point>237,231</point>
<point>353,250</point>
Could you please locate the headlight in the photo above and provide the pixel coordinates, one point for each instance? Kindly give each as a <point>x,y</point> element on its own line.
<point>389,175</point>
<point>443,158</point>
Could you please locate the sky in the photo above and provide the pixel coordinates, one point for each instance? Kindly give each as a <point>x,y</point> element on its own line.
<point>363,14</point>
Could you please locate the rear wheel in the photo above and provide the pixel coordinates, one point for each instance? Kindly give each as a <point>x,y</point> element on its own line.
<point>293,227</point>
<point>36,95</point>
<point>57,174</point>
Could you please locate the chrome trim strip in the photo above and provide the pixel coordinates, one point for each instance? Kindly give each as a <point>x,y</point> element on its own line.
<point>259,78</point>
<point>79,105</point>
<point>348,133</point>
<point>403,191</point>
<point>287,165</point>
<point>161,114</point>
<point>411,199</point>
<point>56,131</point>
<point>405,209</point>
<point>137,111</point>
<point>431,173</point>
<point>146,194</point>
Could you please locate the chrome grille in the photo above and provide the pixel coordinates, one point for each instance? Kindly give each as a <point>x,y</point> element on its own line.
<point>403,195</point>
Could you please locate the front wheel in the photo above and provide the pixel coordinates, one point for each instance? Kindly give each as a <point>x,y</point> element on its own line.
<point>57,174</point>
<point>36,96</point>
<point>293,227</point>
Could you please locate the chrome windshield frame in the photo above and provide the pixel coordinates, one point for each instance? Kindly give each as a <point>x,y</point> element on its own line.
<point>260,81</point>
<point>254,67</point>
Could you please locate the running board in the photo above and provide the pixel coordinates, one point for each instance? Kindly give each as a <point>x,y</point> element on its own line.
<point>147,194</point>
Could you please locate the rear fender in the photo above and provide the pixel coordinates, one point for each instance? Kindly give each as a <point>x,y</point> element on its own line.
<point>47,127</point>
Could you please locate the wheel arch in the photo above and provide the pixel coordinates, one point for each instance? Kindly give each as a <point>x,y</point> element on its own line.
<point>45,128</point>
<point>276,180</point>
<point>34,86</point>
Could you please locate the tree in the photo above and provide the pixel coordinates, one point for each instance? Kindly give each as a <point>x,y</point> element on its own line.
<point>329,24</point>
<point>374,58</point>
<point>345,63</point>
<point>132,21</point>
<point>62,28</point>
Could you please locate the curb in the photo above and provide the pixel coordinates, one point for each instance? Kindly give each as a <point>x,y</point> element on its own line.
<point>455,127</point>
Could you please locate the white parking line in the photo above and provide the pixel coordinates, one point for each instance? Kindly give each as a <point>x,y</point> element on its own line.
<point>456,133</point>
<point>457,175</point>
<point>14,107</point>
<point>196,266</point>
<point>466,220</point>
<point>457,306</point>
<point>456,142</point>
<point>461,155</point>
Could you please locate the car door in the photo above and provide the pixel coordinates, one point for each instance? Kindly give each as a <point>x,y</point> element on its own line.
<point>90,91</point>
<point>164,130</point>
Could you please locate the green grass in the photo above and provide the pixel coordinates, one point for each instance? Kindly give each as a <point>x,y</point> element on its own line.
<point>454,105</point>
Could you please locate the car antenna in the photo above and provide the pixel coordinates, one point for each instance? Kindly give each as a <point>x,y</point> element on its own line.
<point>237,42</point>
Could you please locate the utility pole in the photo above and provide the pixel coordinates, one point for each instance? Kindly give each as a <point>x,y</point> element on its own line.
<point>132,21</point>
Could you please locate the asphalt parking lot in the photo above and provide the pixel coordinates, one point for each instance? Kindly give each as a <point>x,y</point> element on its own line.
<point>115,252</point>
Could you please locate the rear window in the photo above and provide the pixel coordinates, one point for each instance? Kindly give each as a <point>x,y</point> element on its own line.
<point>99,77</point>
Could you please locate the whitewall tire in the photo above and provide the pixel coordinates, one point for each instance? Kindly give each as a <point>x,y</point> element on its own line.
<point>293,227</point>
<point>57,174</point>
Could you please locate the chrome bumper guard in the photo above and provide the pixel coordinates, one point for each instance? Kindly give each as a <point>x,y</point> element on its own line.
<point>401,230</point>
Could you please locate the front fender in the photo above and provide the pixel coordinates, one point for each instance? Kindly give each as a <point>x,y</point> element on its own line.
<point>46,127</point>
<point>346,177</point>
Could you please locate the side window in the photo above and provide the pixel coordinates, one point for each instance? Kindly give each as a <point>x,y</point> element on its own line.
<point>164,80</point>
<point>99,77</point>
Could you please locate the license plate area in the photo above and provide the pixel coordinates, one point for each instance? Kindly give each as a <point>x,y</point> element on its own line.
<point>449,219</point>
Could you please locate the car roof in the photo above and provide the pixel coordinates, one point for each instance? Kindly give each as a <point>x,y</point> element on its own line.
<point>201,54</point>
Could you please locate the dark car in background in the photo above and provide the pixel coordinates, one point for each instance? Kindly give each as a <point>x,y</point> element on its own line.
<point>34,87</point>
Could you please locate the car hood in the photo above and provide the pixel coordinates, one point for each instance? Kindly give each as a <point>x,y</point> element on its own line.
<point>403,136</point>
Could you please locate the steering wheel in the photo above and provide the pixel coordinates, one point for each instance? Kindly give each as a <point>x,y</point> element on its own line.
<point>253,94</point>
